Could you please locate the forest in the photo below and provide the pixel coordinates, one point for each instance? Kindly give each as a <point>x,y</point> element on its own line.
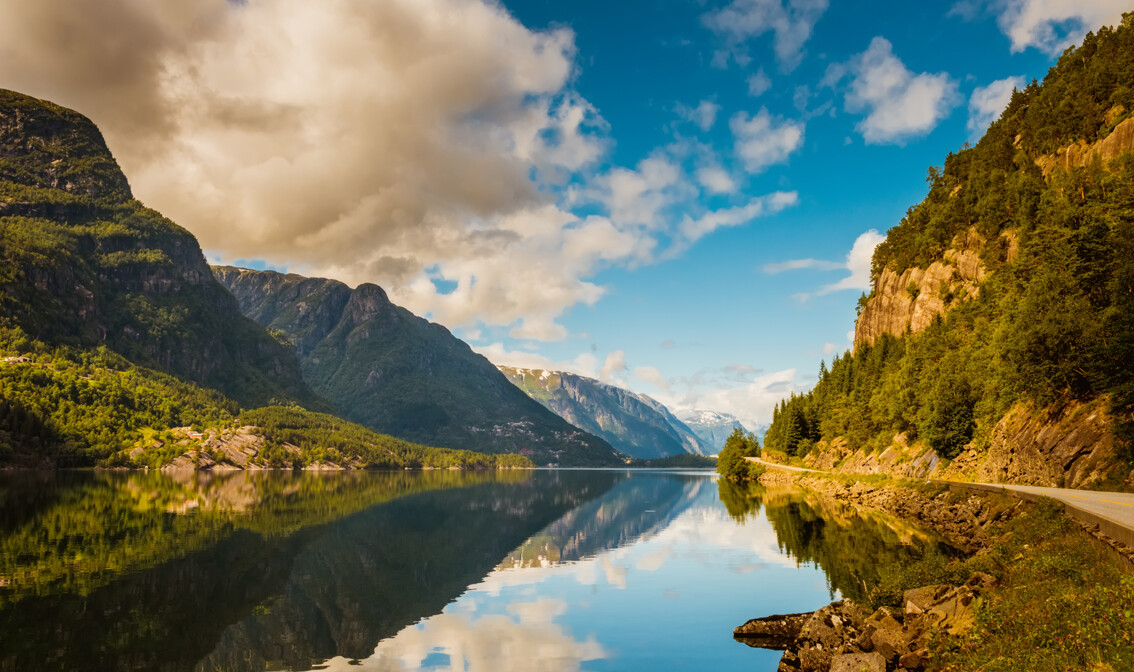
<point>1052,322</point>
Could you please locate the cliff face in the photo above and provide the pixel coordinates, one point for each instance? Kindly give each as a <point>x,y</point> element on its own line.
<point>87,266</point>
<point>383,367</point>
<point>1062,447</point>
<point>634,424</point>
<point>908,301</point>
<point>1080,154</point>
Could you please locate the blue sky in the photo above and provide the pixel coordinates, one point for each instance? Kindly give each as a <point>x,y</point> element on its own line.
<point>677,196</point>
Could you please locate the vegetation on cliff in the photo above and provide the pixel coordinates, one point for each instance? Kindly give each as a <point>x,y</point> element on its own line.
<point>1054,319</point>
<point>113,328</point>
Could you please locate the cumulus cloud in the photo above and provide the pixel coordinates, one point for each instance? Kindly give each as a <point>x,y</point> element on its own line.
<point>614,364</point>
<point>898,104</point>
<point>391,142</point>
<point>651,375</point>
<point>703,116</point>
<point>987,102</point>
<point>857,265</point>
<point>763,140</point>
<point>1050,25</point>
<point>715,179</point>
<point>759,84</point>
<point>790,21</point>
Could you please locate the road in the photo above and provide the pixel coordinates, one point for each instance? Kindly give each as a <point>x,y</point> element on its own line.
<point>782,466</point>
<point>1117,507</point>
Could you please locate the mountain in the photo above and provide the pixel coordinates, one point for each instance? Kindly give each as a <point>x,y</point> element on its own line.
<point>87,266</point>
<point>383,367</point>
<point>633,423</point>
<point>117,344</point>
<point>711,427</point>
<point>996,342</point>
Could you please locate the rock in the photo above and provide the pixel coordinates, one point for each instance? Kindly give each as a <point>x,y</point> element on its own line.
<point>887,638</point>
<point>771,632</point>
<point>910,661</point>
<point>858,662</point>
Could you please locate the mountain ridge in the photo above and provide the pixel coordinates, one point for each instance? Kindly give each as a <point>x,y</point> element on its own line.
<point>635,424</point>
<point>380,365</point>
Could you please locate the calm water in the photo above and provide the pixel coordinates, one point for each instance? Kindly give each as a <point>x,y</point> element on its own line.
<point>551,571</point>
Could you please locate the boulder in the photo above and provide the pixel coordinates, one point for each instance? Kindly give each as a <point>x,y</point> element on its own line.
<point>858,662</point>
<point>771,632</point>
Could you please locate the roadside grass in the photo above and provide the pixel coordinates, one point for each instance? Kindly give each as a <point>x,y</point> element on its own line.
<point>1063,601</point>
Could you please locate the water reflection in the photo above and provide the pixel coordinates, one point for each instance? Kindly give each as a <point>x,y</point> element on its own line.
<point>557,571</point>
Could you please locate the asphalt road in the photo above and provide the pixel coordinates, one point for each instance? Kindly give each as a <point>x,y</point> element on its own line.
<point>1116,506</point>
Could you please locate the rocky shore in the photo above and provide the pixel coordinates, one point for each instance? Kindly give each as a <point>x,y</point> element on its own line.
<point>844,637</point>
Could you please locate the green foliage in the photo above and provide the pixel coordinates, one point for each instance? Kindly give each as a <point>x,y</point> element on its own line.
<point>295,437</point>
<point>682,461</point>
<point>1053,320</point>
<point>731,464</point>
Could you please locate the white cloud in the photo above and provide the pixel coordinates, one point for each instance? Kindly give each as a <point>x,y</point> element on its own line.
<point>857,263</point>
<point>759,84</point>
<point>830,348</point>
<point>899,104</point>
<point>764,140</point>
<point>987,102</point>
<point>801,264</point>
<point>694,229</point>
<point>752,401</point>
<point>790,21</point>
<point>1054,25</point>
<point>703,116</point>
<point>614,364</point>
<point>586,364</point>
<point>651,375</point>
<point>715,179</point>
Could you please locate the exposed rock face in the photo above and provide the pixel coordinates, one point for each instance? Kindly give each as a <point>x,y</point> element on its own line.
<point>1072,447</point>
<point>908,301</point>
<point>1121,139</point>
<point>633,423</point>
<point>899,459</point>
<point>387,369</point>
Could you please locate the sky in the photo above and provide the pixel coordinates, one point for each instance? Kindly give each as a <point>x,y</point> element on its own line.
<point>680,197</point>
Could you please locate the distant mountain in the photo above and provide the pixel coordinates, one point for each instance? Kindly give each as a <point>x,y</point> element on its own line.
<point>712,427</point>
<point>633,423</point>
<point>383,367</point>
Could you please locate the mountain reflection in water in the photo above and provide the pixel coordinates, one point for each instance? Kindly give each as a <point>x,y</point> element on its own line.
<point>551,570</point>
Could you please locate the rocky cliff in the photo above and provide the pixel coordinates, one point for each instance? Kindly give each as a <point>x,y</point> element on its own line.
<point>1065,446</point>
<point>87,266</point>
<point>385,368</point>
<point>1082,153</point>
<point>908,301</point>
<point>633,423</point>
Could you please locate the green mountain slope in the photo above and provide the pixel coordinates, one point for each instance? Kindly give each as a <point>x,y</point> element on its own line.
<point>87,266</point>
<point>383,367</point>
<point>114,332</point>
<point>1000,331</point>
<point>633,423</point>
